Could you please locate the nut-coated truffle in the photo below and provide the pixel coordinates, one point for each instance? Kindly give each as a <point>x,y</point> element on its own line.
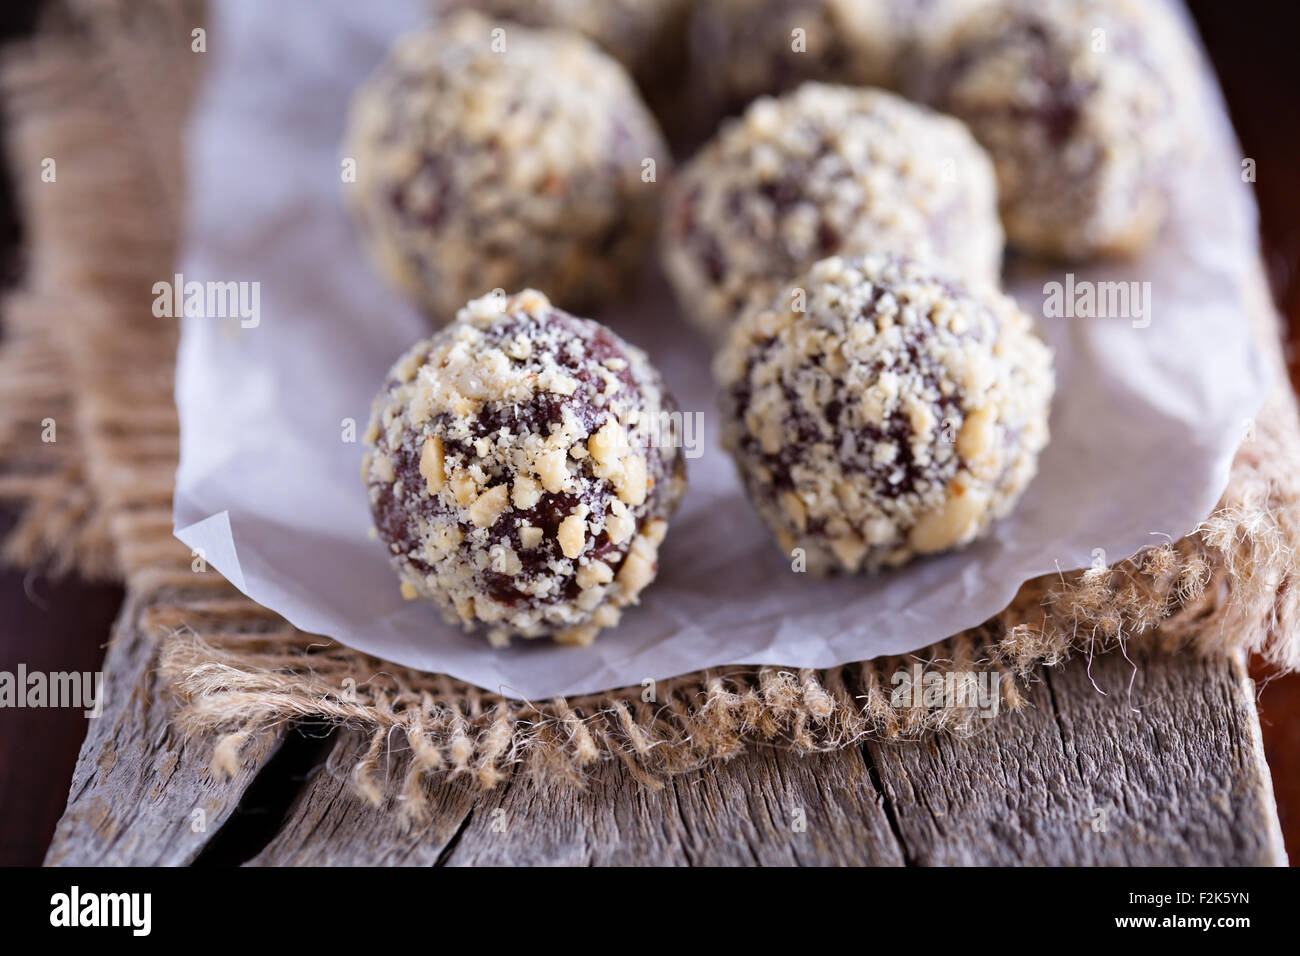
<point>523,463</point>
<point>1085,107</point>
<point>899,415</point>
<point>741,49</point>
<point>646,36</point>
<point>493,156</point>
<point>825,170</point>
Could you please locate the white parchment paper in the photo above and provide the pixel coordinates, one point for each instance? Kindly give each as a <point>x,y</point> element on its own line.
<point>1144,424</point>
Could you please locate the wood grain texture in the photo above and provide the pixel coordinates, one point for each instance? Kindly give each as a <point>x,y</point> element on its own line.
<point>1169,772</point>
<point>137,784</point>
<point>743,812</point>
<point>767,807</point>
<point>329,825</point>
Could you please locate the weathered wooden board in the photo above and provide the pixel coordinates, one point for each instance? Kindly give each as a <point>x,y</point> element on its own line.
<point>1171,772</point>
<point>329,825</point>
<point>768,807</point>
<point>1077,778</point>
<point>141,796</point>
<point>1153,762</point>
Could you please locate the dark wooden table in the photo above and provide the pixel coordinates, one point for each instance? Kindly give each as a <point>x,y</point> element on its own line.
<point>1173,772</point>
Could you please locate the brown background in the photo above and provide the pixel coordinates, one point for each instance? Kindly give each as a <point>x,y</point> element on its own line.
<point>63,624</point>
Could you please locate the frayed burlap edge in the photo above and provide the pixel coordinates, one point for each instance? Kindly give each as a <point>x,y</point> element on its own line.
<point>108,99</point>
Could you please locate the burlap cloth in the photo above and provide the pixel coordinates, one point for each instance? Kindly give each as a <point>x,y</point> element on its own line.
<point>104,90</point>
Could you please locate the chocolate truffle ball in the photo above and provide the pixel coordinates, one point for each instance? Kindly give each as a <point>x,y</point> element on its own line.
<point>522,468</point>
<point>493,161</point>
<point>647,36</point>
<point>1085,106</point>
<point>899,415</point>
<point>825,170</point>
<point>741,49</point>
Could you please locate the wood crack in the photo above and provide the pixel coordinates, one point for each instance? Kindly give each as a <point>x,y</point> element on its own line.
<point>265,805</point>
<point>887,807</point>
<point>450,848</point>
